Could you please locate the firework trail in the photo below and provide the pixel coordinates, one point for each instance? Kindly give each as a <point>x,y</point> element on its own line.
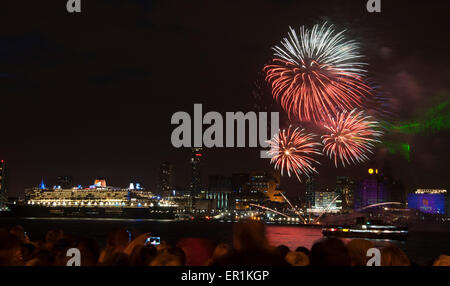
<point>317,72</point>
<point>292,151</point>
<point>351,136</point>
<point>433,120</point>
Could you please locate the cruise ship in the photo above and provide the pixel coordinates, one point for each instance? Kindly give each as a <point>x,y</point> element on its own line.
<point>96,201</point>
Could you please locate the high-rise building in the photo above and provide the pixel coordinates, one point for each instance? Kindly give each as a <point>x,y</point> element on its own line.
<point>345,188</point>
<point>371,190</point>
<point>3,186</point>
<point>64,182</point>
<point>165,179</point>
<point>196,178</point>
<point>310,189</point>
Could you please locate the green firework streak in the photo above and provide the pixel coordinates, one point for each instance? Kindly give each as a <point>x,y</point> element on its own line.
<point>402,149</point>
<point>434,120</point>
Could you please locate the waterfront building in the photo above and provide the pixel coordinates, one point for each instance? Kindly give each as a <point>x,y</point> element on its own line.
<point>196,176</point>
<point>244,193</point>
<point>432,201</point>
<point>345,187</point>
<point>326,200</point>
<point>310,188</point>
<point>256,188</point>
<point>371,190</point>
<point>266,183</point>
<point>165,179</point>
<point>220,191</point>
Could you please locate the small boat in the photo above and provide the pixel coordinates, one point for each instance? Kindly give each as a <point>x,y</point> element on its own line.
<point>367,230</point>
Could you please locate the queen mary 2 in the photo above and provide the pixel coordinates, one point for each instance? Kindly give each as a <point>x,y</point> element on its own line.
<point>96,201</point>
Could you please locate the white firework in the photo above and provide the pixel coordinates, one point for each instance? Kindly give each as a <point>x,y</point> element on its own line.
<point>317,72</point>
<point>323,45</point>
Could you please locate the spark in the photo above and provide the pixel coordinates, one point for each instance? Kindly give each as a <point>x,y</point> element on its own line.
<point>292,150</point>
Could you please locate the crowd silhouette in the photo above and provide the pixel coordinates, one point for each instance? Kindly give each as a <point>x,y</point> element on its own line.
<point>249,248</point>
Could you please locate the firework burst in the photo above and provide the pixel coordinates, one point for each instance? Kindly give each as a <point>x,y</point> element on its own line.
<point>317,72</point>
<point>350,138</point>
<point>292,151</point>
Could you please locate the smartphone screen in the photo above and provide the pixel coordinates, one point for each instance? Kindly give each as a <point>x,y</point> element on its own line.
<point>153,240</point>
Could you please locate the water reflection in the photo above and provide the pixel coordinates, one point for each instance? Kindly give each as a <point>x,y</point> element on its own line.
<point>293,237</point>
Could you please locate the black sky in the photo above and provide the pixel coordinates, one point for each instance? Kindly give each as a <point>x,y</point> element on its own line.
<point>92,94</point>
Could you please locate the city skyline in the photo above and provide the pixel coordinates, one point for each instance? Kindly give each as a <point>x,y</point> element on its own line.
<point>301,190</point>
<point>57,129</point>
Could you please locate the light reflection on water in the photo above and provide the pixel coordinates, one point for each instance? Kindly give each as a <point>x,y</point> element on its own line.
<point>421,247</point>
<point>293,236</point>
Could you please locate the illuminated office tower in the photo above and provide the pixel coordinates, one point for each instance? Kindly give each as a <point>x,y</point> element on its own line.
<point>196,180</point>
<point>165,179</point>
<point>345,188</point>
<point>371,190</point>
<point>310,189</point>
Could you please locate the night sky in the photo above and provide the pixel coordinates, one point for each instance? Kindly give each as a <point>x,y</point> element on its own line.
<point>91,95</point>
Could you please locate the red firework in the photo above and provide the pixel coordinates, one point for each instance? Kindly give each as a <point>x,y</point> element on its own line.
<point>292,151</point>
<point>316,73</point>
<point>351,137</point>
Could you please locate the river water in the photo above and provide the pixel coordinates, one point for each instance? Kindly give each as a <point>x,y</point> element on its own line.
<point>421,247</point>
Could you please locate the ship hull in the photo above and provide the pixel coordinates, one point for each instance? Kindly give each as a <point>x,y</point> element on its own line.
<point>391,233</point>
<point>89,212</point>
